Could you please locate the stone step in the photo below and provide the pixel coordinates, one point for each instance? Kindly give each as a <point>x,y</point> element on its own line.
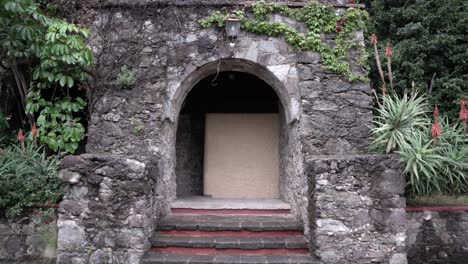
<point>173,258</point>
<point>230,242</point>
<point>205,205</point>
<point>253,223</point>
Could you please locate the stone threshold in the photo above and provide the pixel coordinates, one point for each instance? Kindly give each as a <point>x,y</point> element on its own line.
<point>205,203</point>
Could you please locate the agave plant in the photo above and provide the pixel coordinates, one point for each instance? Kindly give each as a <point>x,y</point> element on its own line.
<point>454,147</point>
<point>454,170</point>
<point>422,162</point>
<point>441,167</point>
<point>397,119</point>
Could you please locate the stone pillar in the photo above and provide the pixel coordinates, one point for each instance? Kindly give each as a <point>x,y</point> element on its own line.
<point>107,213</point>
<point>358,209</point>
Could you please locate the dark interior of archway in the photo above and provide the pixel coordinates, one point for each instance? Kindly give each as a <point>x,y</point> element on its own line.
<point>227,92</point>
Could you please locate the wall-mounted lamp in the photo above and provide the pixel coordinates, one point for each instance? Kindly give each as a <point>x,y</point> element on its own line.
<point>233,24</point>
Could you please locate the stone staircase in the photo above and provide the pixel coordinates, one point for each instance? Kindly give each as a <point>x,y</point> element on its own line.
<point>199,236</point>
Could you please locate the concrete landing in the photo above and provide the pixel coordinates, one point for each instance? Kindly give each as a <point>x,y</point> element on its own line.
<point>205,203</point>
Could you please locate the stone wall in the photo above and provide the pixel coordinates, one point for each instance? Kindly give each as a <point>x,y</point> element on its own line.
<point>169,60</point>
<point>108,211</point>
<point>323,112</point>
<point>359,209</point>
<point>336,114</point>
<point>436,237</point>
<point>16,241</point>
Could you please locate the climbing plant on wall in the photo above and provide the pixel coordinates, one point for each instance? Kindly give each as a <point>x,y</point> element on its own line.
<point>318,19</point>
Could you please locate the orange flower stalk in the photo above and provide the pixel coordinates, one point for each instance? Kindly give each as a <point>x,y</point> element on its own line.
<point>34,132</point>
<point>373,39</point>
<point>463,112</point>
<point>384,89</point>
<point>436,111</point>
<point>21,138</point>
<point>377,57</point>
<point>389,53</point>
<point>436,131</point>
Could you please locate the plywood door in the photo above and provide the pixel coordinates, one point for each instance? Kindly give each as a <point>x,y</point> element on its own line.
<point>241,156</point>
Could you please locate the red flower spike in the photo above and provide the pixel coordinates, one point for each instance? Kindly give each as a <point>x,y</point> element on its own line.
<point>463,102</point>
<point>436,111</point>
<point>384,88</point>
<point>351,2</point>
<point>436,131</point>
<point>463,114</point>
<point>20,135</point>
<point>34,129</point>
<point>388,50</point>
<point>374,39</point>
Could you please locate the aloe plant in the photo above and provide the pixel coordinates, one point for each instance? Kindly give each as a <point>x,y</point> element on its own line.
<point>397,119</point>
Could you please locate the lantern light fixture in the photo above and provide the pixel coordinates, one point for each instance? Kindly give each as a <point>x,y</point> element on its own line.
<point>233,24</point>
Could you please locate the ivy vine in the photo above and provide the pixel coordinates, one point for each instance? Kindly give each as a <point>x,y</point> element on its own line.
<point>318,19</point>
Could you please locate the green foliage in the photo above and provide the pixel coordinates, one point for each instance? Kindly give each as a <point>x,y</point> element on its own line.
<point>317,18</point>
<point>57,57</point>
<point>57,125</point>
<point>29,179</point>
<point>138,129</point>
<point>126,78</point>
<point>3,127</point>
<point>428,37</point>
<point>436,168</point>
<point>401,125</point>
<point>3,122</point>
<point>397,119</point>
<point>421,163</point>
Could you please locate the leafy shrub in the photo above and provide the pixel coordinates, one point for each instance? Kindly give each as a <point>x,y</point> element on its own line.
<point>47,58</point>
<point>28,179</point>
<point>428,37</point>
<point>126,78</point>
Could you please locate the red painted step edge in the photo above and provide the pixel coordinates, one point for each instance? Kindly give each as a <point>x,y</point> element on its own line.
<point>229,211</point>
<point>212,251</point>
<point>242,233</point>
<point>437,208</point>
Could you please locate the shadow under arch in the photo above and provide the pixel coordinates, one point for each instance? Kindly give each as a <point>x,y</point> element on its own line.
<point>230,64</point>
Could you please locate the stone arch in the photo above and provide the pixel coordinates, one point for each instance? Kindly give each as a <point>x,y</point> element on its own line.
<point>273,75</point>
<point>282,78</point>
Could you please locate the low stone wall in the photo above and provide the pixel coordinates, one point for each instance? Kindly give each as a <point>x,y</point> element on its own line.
<point>435,237</point>
<point>359,209</point>
<point>16,241</point>
<point>108,211</point>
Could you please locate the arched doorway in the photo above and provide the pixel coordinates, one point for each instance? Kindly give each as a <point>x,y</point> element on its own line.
<point>228,138</point>
<point>292,180</point>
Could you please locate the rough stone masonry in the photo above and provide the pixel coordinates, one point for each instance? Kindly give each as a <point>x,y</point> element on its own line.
<point>118,191</point>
